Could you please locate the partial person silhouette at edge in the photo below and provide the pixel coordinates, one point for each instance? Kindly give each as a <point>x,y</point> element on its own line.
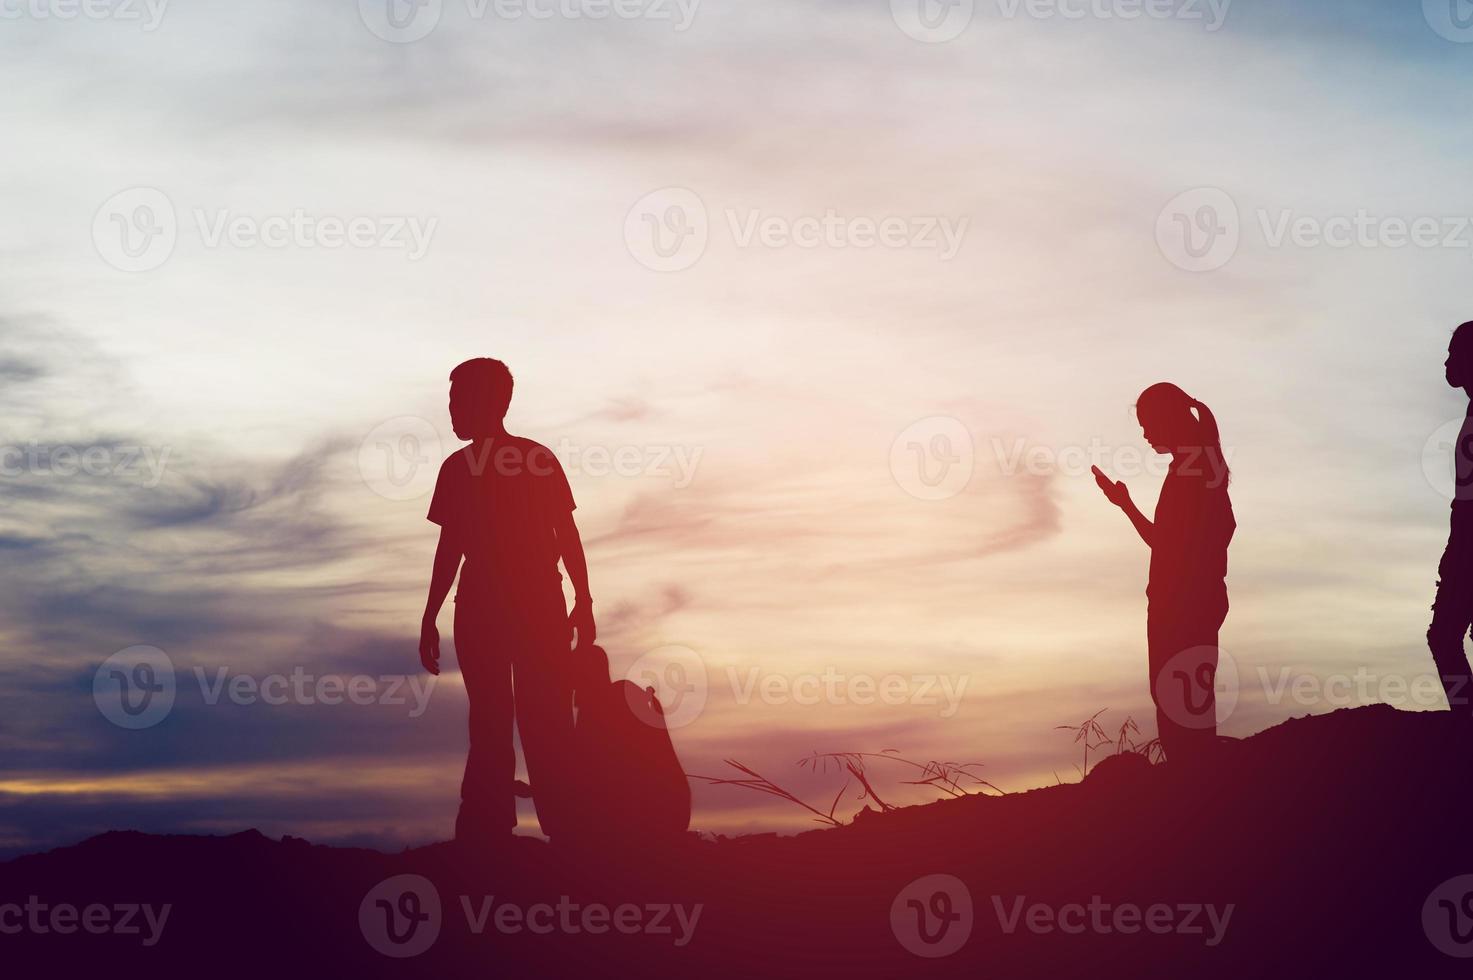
<point>505,512</point>
<point>1452,608</point>
<point>1186,591</point>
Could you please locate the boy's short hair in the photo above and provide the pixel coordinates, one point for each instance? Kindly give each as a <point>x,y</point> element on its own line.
<point>489,381</point>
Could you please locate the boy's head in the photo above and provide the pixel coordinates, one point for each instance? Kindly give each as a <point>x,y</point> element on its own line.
<point>1459,362</point>
<point>480,393</point>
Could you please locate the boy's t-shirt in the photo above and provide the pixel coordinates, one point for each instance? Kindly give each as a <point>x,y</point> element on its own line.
<point>1463,464</point>
<point>501,500</point>
<point>1194,524</point>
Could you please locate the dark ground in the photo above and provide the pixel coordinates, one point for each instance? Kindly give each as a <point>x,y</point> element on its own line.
<point>1326,835</point>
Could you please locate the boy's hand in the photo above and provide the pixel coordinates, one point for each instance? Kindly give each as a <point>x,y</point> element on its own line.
<point>582,621</point>
<point>1115,492</point>
<point>429,646</point>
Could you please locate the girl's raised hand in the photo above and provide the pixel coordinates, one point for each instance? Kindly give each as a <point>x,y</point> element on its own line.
<point>1115,492</point>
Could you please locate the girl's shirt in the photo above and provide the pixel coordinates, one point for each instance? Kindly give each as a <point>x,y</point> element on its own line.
<point>1193,525</point>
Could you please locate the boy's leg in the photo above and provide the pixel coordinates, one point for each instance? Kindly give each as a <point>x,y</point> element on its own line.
<point>1452,611</point>
<point>487,800</point>
<point>544,706</point>
<point>1450,622</point>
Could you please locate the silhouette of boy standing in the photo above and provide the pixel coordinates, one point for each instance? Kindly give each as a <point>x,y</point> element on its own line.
<point>1452,609</point>
<point>504,506</point>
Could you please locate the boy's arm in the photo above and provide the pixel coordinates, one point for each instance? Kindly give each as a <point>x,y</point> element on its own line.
<point>571,546</point>
<point>442,576</point>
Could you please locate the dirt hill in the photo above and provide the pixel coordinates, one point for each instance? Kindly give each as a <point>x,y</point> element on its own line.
<point>1326,845</point>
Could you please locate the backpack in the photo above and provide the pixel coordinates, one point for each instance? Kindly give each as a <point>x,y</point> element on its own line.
<point>630,781</point>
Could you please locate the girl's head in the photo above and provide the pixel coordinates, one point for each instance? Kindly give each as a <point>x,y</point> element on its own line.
<point>1175,422</point>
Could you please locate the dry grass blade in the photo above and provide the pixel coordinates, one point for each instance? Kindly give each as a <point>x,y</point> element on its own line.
<point>1090,733</point>
<point>761,784</point>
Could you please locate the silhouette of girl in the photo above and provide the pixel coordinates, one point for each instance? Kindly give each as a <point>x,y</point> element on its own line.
<point>1187,588</point>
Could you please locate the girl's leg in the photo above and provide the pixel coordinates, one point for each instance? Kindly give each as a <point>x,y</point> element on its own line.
<point>1184,658</point>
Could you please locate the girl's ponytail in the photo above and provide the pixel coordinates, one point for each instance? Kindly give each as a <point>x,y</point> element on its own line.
<point>1212,443</point>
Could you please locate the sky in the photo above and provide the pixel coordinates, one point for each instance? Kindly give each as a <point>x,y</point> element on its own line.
<point>827,307</point>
